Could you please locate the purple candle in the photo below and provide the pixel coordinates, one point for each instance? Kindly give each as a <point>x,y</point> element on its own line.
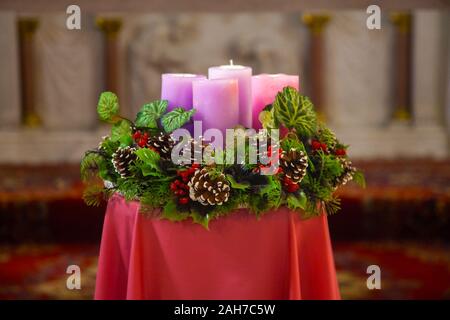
<point>244,76</point>
<point>176,88</point>
<point>264,90</point>
<point>217,103</point>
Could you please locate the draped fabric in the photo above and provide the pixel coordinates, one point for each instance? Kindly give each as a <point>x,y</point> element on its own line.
<point>278,256</point>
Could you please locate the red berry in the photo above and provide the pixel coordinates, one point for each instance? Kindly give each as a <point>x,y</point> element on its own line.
<point>196,165</point>
<point>323,146</point>
<point>173,185</point>
<point>184,186</point>
<point>136,135</point>
<point>145,135</point>
<point>142,143</point>
<point>293,187</point>
<point>340,152</point>
<point>316,145</point>
<point>183,200</point>
<point>287,181</point>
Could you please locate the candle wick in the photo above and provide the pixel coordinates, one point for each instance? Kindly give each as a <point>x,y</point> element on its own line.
<point>231,62</point>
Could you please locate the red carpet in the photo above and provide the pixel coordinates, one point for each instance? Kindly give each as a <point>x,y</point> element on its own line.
<point>408,271</point>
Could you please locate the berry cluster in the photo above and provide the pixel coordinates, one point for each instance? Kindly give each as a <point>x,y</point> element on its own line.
<point>289,185</point>
<point>270,155</point>
<point>317,145</point>
<point>141,138</point>
<point>179,187</point>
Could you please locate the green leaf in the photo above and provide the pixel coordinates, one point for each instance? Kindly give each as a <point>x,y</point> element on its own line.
<point>108,106</point>
<point>267,119</point>
<point>108,146</point>
<point>93,164</point>
<point>93,195</point>
<point>126,141</point>
<point>200,219</point>
<point>359,178</point>
<point>176,119</point>
<point>332,206</point>
<point>156,194</point>
<point>289,143</point>
<point>121,131</point>
<point>149,164</point>
<point>295,203</point>
<point>149,114</point>
<point>236,185</point>
<point>171,212</point>
<point>295,111</point>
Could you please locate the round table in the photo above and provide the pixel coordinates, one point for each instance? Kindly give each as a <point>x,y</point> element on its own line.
<point>278,256</point>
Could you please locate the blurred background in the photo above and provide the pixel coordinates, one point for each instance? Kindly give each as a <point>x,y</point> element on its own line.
<point>386,92</point>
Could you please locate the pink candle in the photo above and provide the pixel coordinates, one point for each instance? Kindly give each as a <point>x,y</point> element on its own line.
<point>176,88</point>
<point>217,103</point>
<point>244,77</point>
<point>264,90</point>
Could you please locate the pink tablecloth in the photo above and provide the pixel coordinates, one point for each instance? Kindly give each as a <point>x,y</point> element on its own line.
<point>276,257</point>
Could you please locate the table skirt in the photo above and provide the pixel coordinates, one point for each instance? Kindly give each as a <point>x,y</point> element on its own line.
<point>278,256</point>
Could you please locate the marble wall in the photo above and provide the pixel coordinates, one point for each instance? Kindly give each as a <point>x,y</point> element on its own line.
<point>9,75</point>
<point>69,69</point>
<point>358,75</point>
<point>155,44</point>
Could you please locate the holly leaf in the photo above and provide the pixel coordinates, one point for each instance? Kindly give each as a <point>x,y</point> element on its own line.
<point>236,185</point>
<point>200,219</point>
<point>126,141</point>
<point>149,162</point>
<point>108,106</point>
<point>176,119</point>
<point>121,131</point>
<point>171,212</point>
<point>295,203</point>
<point>295,111</point>
<point>149,114</point>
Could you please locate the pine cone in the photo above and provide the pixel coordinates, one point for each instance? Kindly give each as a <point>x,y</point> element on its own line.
<point>294,164</point>
<point>163,144</point>
<point>121,160</point>
<point>208,191</point>
<point>347,174</point>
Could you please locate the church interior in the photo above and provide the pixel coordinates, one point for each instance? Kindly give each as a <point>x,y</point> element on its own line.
<point>385,91</point>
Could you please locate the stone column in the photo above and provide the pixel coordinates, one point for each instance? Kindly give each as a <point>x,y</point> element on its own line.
<point>27,28</point>
<point>316,24</point>
<point>110,28</point>
<point>402,62</point>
